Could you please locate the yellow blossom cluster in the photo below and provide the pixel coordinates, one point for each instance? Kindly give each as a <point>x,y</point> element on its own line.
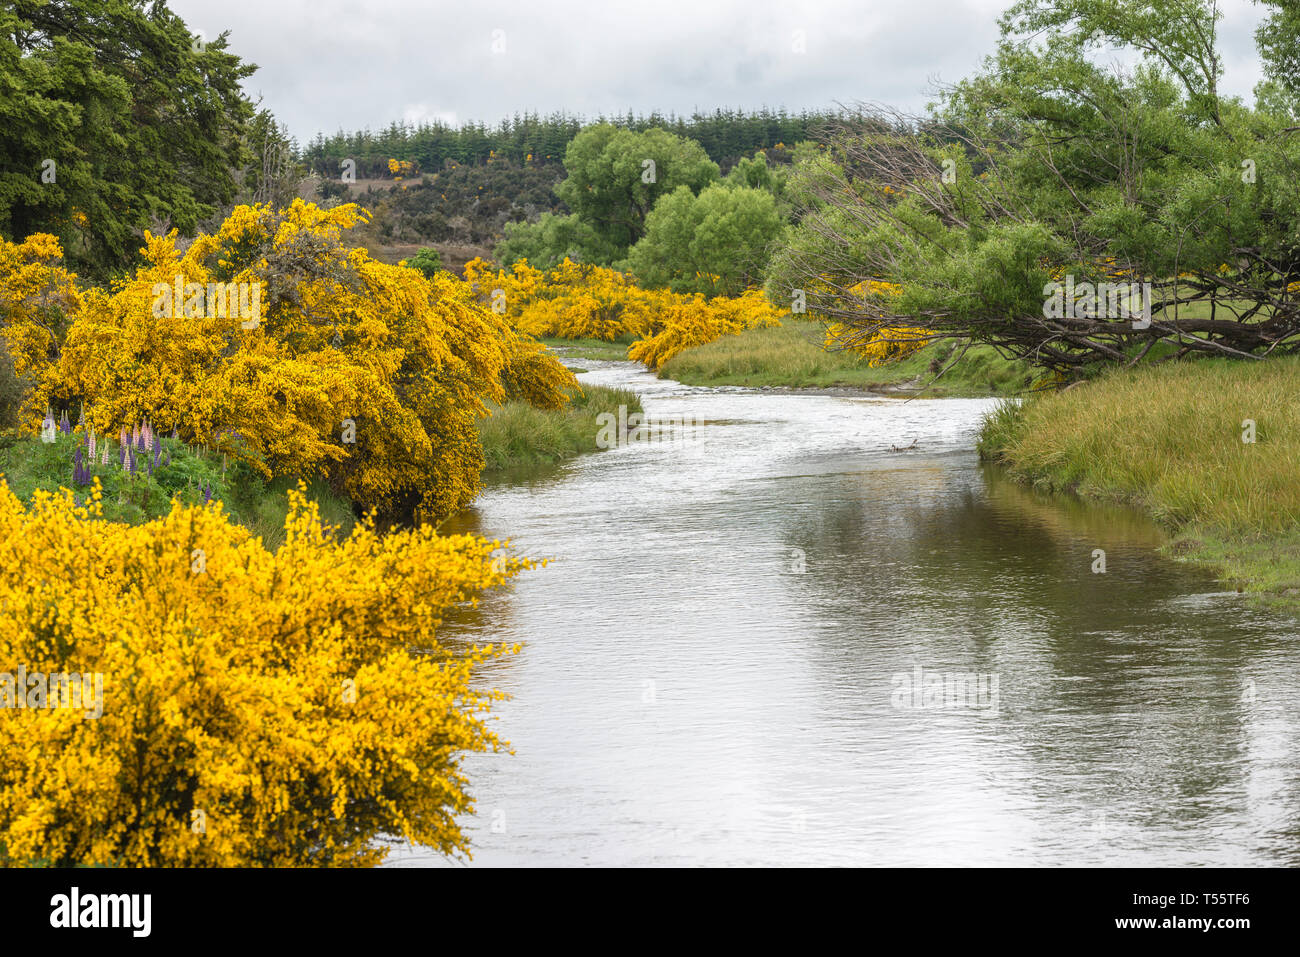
<point>252,707</point>
<point>879,346</point>
<point>38,299</point>
<point>882,343</point>
<point>369,374</point>
<point>582,301</point>
<point>399,168</point>
<point>693,321</point>
<point>571,301</point>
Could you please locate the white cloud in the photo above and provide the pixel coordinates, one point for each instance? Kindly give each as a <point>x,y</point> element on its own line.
<point>331,64</point>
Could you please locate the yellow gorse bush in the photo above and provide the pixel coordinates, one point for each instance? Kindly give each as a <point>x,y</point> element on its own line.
<point>571,301</point>
<point>881,343</point>
<point>580,301</point>
<point>369,374</point>
<point>695,321</point>
<point>38,297</point>
<point>267,708</point>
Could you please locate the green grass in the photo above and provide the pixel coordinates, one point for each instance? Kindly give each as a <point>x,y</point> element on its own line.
<point>791,355</point>
<point>1169,439</point>
<point>516,434</point>
<point>588,348</point>
<point>29,465</point>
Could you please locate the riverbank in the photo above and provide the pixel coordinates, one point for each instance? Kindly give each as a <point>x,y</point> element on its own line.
<point>1209,448</point>
<point>791,357</point>
<point>517,434</point>
<point>589,348</point>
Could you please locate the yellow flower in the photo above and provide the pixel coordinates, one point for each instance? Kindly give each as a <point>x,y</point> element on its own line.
<point>275,708</point>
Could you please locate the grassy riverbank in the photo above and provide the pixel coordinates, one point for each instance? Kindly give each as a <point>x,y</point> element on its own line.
<point>791,356</point>
<point>1169,438</point>
<point>518,434</point>
<point>589,348</point>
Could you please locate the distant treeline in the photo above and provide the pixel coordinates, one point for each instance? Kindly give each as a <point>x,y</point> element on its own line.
<point>726,135</point>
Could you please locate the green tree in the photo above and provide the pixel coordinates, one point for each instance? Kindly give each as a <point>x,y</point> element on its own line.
<point>755,173</point>
<point>1278,38</point>
<point>715,243</point>
<point>615,176</point>
<point>114,116</point>
<point>549,241</point>
<point>1051,166</point>
<point>427,260</point>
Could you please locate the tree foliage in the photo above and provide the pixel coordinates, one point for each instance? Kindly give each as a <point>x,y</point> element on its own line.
<point>1051,167</point>
<point>114,116</point>
<point>715,243</point>
<point>1278,38</point>
<point>615,176</point>
<point>547,242</point>
<point>427,260</point>
<point>531,139</point>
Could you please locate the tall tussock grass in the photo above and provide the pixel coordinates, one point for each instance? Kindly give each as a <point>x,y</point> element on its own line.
<point>516,433</point>
<point>1168,437</point>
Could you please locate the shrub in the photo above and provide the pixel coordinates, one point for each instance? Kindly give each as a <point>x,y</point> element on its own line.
<point>367,374</point>
<point>258,708</point>
<point>427,260</point>
<point>579,301</point>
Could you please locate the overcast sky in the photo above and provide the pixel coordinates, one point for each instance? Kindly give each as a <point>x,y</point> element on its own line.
<point>331,64</point>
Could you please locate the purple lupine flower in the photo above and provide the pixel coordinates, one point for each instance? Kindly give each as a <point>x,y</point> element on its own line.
<point>207,493</point>
<point>157,455</point>
<point>135,461</point>
<point>64,426</point>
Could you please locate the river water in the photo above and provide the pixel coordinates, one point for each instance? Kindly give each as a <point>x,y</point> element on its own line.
<point>816,630</point>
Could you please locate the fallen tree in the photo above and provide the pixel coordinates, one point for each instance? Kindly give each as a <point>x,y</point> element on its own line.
<point>1064,211</point>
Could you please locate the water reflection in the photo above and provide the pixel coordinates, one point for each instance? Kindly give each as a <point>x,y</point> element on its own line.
<point>711,659</point>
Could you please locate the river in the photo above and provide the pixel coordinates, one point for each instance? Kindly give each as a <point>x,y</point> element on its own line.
<point>733,657</point>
